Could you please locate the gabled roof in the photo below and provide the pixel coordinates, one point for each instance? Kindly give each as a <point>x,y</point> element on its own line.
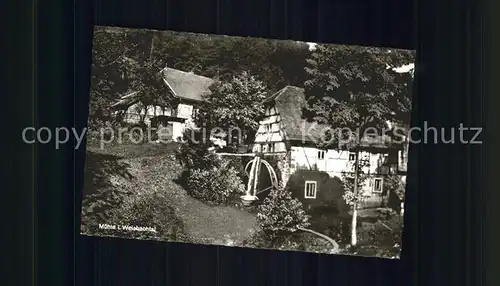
<point>184,85</point>
<point>290,102</point>
<point>187,85</point>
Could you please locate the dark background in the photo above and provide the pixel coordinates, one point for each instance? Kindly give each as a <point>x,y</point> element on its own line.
<point>445,215</point>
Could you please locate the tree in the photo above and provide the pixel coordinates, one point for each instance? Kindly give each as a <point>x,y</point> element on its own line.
<point>235,105</point>
<point>353,89</point>
<point>281,214</point>
<point>124,61</point>
<point>214,185</point>
<point>107,81</point>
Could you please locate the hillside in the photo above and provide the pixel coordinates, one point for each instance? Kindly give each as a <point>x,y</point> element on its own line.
<point>136,169</point>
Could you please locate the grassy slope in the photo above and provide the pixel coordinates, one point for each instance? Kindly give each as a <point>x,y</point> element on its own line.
<point>154,167</point>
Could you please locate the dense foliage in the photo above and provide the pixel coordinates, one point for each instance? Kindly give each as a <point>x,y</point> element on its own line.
<point>348,177</point>
<point>280,214</point>
<point>149,209</point>
<point>382,238</point>
<point>353,87</point>
<point>126,60</point>
<point>215,185</point>
<point>206,176</point>
<point>395,189</point>
<point>354,90</point>
<point>235,107</point>
<point>194,152</point>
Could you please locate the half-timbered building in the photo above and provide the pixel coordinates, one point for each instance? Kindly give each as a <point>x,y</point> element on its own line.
<point>283,130</point>
<point>187,87</point>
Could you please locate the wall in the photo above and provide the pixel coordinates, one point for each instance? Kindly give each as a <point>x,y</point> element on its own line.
<point>335,162</point>
<point>184,110</point>
<point>134,112</point>
<point>269,135</point>
<point>328,196</point>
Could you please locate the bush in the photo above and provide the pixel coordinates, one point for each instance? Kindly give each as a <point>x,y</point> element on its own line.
<point>382,237</point>
<point>214,185</point>
<point>332,225</point>
<point>280,214</point>
<point>194,154</point>
<point>149,209</point>
<point>395,189</point>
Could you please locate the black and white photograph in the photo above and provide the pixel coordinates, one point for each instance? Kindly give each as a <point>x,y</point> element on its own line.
<point>247,142</point>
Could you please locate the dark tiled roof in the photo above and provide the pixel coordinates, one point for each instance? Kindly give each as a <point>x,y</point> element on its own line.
<point>187,85</point>
<point>290,102</point>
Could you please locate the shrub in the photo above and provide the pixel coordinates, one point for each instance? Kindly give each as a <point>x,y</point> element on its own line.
<point>194,154</point>
<point>332,225</point>
<point>149,209</point>
<point>382,237</point>
<point>280,214</point>
<point>214,185</point>
<point>395,188</point>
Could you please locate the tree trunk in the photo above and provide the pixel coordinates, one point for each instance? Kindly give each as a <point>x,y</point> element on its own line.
<point>354,239</point>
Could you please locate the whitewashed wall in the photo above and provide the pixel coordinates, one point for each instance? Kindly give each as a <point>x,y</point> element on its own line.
<point>334,163</point>
<point>269,136</point>
<point>185,111</point>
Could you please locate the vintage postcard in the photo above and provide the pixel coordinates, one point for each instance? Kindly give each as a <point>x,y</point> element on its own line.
<point>247,142</point>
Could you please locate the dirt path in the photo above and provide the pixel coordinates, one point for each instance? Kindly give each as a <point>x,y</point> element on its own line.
<point>206,224</point>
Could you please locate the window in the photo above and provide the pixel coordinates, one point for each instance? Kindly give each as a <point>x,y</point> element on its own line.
<point>310,190</point>
<point>377,185</point>
<point>321,155</point>
<point>352,156</point>
<point>270,147</point>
